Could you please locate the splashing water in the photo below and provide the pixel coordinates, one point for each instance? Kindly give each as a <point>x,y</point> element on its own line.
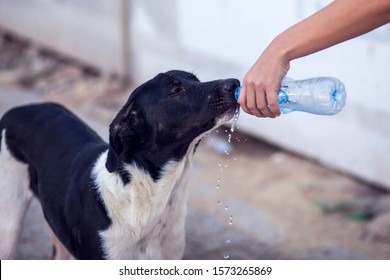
<point>230,220</point>
<point>235,120</point>
<point>222,165</point>
<point>234,125</point>
<point>229,138</point>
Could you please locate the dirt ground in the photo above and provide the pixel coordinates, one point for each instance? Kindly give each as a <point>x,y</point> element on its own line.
<point>248,199</point>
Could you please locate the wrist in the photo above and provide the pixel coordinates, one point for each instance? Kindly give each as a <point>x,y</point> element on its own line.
<point>280,50</point>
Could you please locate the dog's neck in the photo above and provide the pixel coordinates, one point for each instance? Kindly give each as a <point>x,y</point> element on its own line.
<point>155,161</point>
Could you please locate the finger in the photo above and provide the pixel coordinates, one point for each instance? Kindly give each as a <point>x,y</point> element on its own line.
<point>272,100</point>
<point>262,105</point>
<point>252,103</point>
<point>242,100</point>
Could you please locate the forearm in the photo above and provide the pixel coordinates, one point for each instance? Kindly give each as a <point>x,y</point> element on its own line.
<point>338,22</point>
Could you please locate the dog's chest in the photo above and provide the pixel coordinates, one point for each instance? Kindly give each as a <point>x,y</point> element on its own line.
<point>149,236</point>
<point>147,219</point>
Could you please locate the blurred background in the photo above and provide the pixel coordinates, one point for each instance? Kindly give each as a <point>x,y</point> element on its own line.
<point>298,187</point>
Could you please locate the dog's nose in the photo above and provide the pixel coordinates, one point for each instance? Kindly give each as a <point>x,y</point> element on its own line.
<point>230,85</point>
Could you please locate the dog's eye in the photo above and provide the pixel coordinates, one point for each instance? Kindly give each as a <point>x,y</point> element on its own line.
<point>176,90</point>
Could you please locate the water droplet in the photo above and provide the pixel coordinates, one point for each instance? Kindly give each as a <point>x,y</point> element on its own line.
<point>235,158</point>
<point>229,138</point>
<point>226,256</point>
<point>219,202</point>
<point>226,208</point>
<point>219,180</point>
<point>227,152</point>
<point>222,165</point>
<point>228,241</point>
<point>218,186</point>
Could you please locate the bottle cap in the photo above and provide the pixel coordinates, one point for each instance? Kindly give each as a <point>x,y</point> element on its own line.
<point>237,93</point>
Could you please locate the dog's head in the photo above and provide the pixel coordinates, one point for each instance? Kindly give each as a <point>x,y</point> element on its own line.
<point>164,116</point>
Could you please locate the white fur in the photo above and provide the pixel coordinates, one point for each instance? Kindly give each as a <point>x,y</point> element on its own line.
<point>145,225</point>
<point>15,197</point>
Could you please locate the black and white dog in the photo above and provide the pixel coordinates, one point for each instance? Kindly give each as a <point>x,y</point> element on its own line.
<point>122,200</point>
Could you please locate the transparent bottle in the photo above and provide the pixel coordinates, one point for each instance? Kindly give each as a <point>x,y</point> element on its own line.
<point>320,96</point>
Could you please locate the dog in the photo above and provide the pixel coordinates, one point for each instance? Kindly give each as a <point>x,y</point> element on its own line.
<point>125,199</point>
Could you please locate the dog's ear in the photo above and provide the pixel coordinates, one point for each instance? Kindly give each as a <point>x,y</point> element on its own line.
<point>115,150</point>
<point>124,138</point>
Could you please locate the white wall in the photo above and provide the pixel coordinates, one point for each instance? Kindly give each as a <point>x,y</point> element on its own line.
<point>222,38</point>
<point>90,30</point>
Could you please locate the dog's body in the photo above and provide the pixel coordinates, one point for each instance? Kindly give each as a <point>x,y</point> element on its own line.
<point>122,200</point>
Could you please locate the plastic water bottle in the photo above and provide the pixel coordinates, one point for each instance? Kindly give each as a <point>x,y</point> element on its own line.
<point>321,95</point>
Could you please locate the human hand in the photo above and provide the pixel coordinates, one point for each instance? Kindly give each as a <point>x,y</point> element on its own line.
<point>258,95</point>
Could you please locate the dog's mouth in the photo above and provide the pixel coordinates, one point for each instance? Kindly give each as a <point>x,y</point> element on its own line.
<point>224,103</point>
<point>225,107</point>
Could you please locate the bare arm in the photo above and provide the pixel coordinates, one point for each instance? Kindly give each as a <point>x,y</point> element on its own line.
<point>337,22</point>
